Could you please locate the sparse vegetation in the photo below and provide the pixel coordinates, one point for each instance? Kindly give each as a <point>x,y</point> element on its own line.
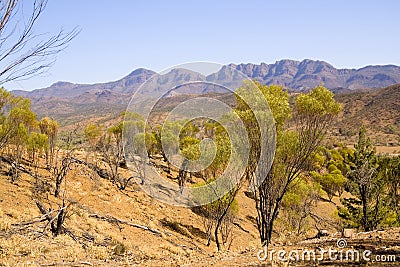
<point>272,165</point>
<point>70,175</point>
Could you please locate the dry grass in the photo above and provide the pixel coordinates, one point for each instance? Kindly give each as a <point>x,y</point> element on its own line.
<point>103,243</point>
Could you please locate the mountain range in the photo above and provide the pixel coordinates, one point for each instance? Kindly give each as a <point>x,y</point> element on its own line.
<point>62,99</point>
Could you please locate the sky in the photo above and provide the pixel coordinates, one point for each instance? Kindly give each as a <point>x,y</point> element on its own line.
<point>120,36</point>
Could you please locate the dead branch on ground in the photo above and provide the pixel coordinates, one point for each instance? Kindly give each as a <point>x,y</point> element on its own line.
<point>111,219</point>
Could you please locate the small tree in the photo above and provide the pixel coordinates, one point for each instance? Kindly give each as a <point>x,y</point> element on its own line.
<point>37,143</point>
<point>134,144</point>
<point>389,171</point>
<point>49,127</point>
<point>111,148</point>
<point>220,212</point>
<point>297,205</point>
<point>219,215</point>
<point>332,181</point>
<point>369,208</point>
<point>20,122</point>
<point>190,150</point>
<point>61,166</point>
<point>7,101</point>
<point>92,134</point>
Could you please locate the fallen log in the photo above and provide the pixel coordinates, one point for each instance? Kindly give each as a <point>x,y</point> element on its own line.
<point>111,219</point>
<point>101,172</point>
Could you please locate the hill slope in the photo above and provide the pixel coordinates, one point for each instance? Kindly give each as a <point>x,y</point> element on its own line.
<point>379,110</point>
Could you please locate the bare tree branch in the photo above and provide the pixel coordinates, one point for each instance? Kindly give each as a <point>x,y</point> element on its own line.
<point>23,53</point>
<point>111,219</point>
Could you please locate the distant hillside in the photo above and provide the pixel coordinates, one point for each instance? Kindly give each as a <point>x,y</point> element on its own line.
<point>379,110</point>
<point>68,102</point>
<point>126,85</point>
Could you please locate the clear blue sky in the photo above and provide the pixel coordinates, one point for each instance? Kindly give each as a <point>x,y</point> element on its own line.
<point>121,35</point>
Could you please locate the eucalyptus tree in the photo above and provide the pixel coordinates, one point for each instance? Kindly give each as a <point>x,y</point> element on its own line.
<point>50,128</point>
<point>311,116</point>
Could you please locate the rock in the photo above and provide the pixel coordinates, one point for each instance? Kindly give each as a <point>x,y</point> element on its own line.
<point>348,233</point>
<point>322,233</point>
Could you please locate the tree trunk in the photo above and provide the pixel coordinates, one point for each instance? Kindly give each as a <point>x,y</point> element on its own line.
<point>365,222</point>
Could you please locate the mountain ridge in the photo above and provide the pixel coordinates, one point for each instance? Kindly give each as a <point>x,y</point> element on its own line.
<point>293,74</point>
<point>63,98</point>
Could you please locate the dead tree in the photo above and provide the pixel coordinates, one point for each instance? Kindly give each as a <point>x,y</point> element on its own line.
<point>111,149</point>
<point>56,222</point>
<point>61,173</point>
<point>23,53</point>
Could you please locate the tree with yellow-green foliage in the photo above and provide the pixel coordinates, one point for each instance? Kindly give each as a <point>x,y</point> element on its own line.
<point>36,143</point>
<point>17,121</point>
<point>111,148</point>
<point>92,134</point>
<point>311,116</point>
<point>331,170</point>
<point>49,127</point>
